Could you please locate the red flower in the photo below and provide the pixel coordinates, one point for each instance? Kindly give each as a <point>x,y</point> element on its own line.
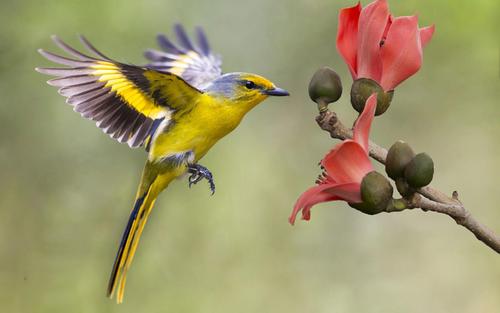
<point>378,46</point>
<point>344,168</point>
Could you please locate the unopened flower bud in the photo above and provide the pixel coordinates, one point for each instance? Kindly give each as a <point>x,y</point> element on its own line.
<point>398,157</point>
<point>420,170</point>
<point>363,88</point>
<point>325,87</point>
<point>403,188</point>
<point>376,192</point>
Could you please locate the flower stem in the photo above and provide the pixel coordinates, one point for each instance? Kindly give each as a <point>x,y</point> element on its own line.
<point>426,198</point>
<point>322,106</point>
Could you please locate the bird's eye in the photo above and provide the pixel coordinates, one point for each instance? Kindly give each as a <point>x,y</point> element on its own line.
<point>250,85</point>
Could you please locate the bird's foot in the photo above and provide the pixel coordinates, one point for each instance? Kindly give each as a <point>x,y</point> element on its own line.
<point>198,172</point>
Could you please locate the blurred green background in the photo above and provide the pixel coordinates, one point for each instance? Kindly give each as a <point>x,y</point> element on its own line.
<point>67,189</point>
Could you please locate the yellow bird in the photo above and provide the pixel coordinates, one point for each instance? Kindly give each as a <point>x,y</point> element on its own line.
<point>177,107</point>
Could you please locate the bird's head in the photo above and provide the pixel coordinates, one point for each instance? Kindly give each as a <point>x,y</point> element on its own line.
<point>244,89</point>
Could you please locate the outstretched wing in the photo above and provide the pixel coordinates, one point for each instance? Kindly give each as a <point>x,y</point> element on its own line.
<point>127,102</point>
<point>194,63</point>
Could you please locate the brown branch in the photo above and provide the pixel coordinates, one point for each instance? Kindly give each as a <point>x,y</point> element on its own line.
<point>428,198</point>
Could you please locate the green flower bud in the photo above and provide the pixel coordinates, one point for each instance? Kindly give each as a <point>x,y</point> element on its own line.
<point>376,192</point>
<point>420,171</point>
<point>398,157</point>
<point>403,188</point>
<point>364,208</point>
<point>325,87</point>
<point>363,88</point>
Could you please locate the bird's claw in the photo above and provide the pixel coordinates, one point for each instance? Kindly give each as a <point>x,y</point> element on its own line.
<point>198,172</point>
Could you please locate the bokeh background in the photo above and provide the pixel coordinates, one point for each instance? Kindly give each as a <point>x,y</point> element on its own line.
<point>66,189</point>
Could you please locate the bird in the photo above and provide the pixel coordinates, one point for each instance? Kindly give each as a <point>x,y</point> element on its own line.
<point>176,107</point>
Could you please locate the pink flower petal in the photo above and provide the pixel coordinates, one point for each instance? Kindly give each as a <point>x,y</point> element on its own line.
<point>372,23</point>
<point>387,26</point>
<point>350,192</point>
<point>426,34</point>
<point>347,36</point>
<point>309,198</point>
<point>348,162</point>
<point>324,193</point>
<point>401,52</point>
<point>364,122</point>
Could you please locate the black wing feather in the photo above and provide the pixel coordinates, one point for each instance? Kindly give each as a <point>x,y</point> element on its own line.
<point>91,98</point>
<point>202,41</point>
<point>183,38</point>
<point>167,45</point>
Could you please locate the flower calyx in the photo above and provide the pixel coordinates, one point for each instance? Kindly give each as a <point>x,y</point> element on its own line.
<point>376,193</point>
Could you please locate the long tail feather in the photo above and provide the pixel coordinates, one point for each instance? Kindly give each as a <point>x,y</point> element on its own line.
<point>153,181</point>
<point>128,244</point>
<point>150,187</point>
<point>125,242</point>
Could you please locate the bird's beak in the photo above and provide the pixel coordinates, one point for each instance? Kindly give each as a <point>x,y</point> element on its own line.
<point>276,92</point>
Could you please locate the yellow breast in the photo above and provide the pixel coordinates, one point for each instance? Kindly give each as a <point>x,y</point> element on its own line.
<point>199,129</point>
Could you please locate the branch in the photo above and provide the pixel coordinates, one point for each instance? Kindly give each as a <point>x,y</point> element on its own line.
<point>427,198</point>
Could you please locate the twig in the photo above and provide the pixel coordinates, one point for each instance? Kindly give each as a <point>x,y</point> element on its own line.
<point>428,198</point>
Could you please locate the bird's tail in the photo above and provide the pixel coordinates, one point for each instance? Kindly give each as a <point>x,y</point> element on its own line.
<point>151,185</point>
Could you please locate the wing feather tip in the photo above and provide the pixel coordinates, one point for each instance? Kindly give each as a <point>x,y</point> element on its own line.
<point>56,39</point>
<point>43,70</point>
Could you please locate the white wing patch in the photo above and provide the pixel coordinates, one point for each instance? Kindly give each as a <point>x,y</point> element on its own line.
<point>196,64</point>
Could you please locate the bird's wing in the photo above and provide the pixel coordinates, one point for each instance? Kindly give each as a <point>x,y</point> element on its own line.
<point>127,102</point>
<point>193,62</point>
